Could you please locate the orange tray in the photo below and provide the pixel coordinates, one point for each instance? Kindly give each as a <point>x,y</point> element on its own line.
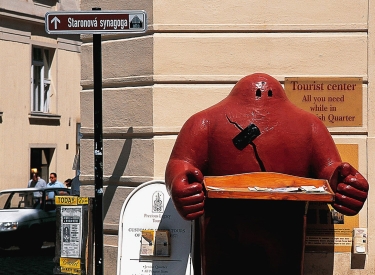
<point>237,187</point>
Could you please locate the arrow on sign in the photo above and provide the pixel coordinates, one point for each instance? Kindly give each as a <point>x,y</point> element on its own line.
<point>55,20</point>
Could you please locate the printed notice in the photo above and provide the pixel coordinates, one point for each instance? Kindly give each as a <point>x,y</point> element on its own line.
<point>71,233</point>
<point>328,230</point>
<point>337,102</point>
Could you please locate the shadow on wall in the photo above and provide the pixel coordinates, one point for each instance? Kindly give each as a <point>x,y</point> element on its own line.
<point>117,173</point>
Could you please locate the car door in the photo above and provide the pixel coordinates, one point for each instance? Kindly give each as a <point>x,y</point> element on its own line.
<point>49,216</point>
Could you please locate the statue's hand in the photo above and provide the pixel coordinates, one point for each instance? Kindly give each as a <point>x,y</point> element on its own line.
<point>187,193</point>
<point>350,189</point>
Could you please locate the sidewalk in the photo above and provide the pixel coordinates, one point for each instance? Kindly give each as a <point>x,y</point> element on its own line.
<point>16,262</point>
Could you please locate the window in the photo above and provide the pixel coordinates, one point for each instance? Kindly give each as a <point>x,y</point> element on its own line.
<point>40,79</point>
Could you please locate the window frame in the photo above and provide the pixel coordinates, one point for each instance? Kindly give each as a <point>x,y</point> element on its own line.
<point>40,99</point>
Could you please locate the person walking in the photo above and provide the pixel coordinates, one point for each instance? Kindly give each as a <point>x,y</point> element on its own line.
<point>36,181</point>
<point>53,182</point>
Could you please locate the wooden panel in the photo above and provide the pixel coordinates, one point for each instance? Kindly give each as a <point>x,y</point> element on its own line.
<point>236,187</point>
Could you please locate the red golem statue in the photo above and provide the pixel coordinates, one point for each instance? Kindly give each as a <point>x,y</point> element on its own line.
<point>256,128</point>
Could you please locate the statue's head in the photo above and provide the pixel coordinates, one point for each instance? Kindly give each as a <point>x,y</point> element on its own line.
<point>258,87</point>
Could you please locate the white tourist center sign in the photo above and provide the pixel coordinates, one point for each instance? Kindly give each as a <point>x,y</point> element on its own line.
<point>147,213</point>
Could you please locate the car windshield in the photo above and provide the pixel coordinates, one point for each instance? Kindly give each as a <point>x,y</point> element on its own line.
<point>20,200</point>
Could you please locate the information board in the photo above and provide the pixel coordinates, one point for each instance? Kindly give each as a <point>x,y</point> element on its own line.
<point>337,102</point>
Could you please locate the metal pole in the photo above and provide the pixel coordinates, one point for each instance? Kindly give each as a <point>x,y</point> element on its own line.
<point>98,152</point>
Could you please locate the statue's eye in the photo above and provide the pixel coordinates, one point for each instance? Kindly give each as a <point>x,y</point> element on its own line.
<point>270,93</point>
<point>258,93</point>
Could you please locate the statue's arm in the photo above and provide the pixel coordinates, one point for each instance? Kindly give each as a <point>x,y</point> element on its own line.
<point>183,174</point>
<point>349,186</point>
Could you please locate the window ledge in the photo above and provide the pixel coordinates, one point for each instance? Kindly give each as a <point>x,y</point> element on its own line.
<point>44,115</point>
<point>44,118</point>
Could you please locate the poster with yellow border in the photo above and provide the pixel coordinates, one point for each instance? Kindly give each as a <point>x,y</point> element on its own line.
<point>328,230</point>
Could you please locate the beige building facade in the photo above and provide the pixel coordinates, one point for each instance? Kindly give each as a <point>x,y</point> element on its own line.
<point>189,59</point>
<point>40,87</point>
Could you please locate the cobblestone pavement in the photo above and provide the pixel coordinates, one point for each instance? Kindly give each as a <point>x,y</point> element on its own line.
<point>16,262</point>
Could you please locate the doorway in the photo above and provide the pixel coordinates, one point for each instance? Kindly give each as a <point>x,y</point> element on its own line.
<point>40,159</point>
